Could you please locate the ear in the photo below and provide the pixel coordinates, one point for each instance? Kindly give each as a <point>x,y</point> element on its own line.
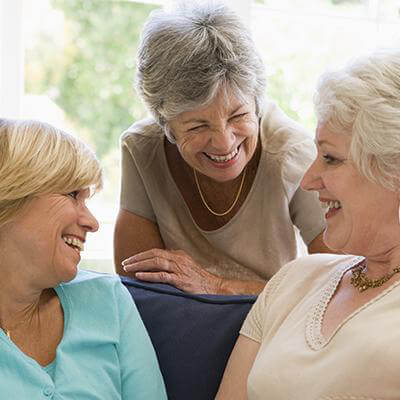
<point>169,134</point>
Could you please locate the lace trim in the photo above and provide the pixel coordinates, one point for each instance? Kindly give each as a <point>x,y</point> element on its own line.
<point>314,337</point>
<point>348,397</point>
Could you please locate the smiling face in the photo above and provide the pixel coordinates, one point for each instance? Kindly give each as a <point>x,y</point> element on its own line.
<point>219,139</point>
<point>362,217</point>
<point>47,237</point>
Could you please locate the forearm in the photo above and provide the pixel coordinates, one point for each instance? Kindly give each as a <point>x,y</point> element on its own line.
<point>237,286</point>
<point>132,235</point>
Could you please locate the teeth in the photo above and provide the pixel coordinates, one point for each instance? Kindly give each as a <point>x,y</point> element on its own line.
<point>73,241</point>
<point>223,158</point>
<point>334,204</point>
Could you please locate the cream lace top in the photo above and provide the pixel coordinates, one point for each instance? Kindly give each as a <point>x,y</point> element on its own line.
<point>359,361</point>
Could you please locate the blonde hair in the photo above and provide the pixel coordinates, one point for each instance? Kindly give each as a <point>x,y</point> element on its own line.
<point>363,100</point>
<point>37,158</point>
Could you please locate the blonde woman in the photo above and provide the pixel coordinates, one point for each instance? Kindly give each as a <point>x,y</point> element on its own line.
<point>64,333</point>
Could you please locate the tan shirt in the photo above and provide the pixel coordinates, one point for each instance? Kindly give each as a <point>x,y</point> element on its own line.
<point>260,238</point>
<point>360,361</point>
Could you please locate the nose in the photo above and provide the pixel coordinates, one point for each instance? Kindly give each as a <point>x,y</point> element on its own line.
<point>223,139</point>
<point>312,178</point>
<point>88,221</point>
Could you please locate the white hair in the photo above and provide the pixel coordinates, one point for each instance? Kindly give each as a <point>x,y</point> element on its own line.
<point>363,100</point>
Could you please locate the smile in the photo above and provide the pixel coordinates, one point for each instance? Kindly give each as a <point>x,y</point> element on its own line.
<point>334,204</point>
<point>74,242</point>
<point>223,158</point>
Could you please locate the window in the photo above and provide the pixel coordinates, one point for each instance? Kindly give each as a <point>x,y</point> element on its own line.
<point>72,62</point>
<point>299,40</point>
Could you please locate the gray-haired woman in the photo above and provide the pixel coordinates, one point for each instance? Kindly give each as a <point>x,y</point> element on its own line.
<point>210,183</point>
<point>327,326</point>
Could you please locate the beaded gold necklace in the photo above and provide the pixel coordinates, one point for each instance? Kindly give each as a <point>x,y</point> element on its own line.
<point>360,280</point>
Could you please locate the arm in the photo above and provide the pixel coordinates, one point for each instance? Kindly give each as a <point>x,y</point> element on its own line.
<point>141,377</point>
<point>138,238</point>
<point>234,382</point>
<point>318,245</point>
<point>177,268</point>
<point>132,235</point>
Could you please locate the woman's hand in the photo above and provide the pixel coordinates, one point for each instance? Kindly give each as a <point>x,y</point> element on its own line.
<point>174,267</point>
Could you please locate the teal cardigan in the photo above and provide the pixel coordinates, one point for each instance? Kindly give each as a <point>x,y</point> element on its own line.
<point>105,352</point>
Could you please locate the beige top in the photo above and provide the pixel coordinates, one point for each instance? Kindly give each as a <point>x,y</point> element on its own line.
<point>260,238</point>
<point>361,359</point>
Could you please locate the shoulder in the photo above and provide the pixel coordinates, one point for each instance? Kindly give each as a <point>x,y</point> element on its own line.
<point>288,288</point>
<point>302,276</point>
<point>144,130</point>
<point>309,271</point>
<point>93,285</point>
<point>86,277</point>
<point>287,146</point>
<point>143,142</point>
<point>280,133</point>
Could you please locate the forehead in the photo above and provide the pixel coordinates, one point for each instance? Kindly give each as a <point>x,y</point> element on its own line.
<point>225,102</point>
<point>324,137</point>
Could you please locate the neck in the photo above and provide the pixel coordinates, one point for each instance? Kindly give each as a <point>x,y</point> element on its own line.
<point>379,265</point>
<point>18,300</point>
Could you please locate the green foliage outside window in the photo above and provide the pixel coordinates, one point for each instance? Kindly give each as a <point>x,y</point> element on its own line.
<point>91,78</point>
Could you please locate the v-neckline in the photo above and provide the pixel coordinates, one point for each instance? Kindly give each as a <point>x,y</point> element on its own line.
<point>243,205</point>
<point>314,320</point>
<point>64,302</point>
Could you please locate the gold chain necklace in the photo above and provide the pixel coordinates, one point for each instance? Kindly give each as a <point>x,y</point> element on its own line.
<point>360,280</point>
<point>8,331</point>
<point>29,318</point>
<point>234,201</point>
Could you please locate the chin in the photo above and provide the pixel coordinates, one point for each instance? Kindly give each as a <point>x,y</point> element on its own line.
<point>331,242</point>
<point>338,244</point>
<point>70,273</point>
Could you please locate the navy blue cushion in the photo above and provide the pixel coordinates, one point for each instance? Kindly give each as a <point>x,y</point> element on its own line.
<point>193,335</point>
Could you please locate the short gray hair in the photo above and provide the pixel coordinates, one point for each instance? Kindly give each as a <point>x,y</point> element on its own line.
<point>187,54</point>
<point>363,100</point>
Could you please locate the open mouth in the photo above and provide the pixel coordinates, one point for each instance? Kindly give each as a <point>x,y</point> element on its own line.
<point>333,207</point>
<point>223,158</point>
<point>74,243</point>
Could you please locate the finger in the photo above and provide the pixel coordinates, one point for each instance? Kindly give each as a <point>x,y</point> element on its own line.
<point>144,255</point>
<point>151,265</point>
<point>155,277</point>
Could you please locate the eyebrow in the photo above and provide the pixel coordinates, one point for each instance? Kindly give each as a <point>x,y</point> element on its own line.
<point>202,121</point>
<point>321,142</point>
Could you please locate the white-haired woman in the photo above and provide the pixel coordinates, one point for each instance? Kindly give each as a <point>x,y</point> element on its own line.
<point>327,326</point>
<point>210,184</point>
<point>65,333</point>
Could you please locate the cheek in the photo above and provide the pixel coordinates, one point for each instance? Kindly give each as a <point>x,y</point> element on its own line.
<point>249,128</point>
<point>191,144</point>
